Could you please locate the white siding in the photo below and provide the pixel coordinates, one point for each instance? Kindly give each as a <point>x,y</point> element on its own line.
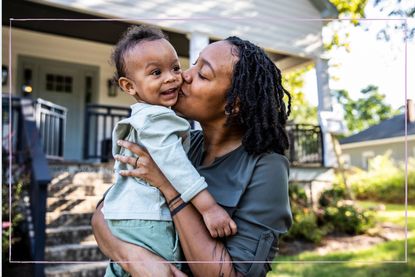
<point>270,24</point>
<point>397,151</point>
<point>61,48</point>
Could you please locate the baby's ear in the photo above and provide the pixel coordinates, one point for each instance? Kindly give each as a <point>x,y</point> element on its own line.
<point>126,85</point>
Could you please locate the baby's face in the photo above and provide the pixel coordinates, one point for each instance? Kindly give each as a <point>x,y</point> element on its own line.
<point>154,69</point>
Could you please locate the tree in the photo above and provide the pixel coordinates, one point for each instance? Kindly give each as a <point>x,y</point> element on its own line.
<point>302,111</point>
<point>366,111</point>
<point>401,9</point>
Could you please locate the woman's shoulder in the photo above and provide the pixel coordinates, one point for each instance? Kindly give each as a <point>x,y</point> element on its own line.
<point>272,160</point>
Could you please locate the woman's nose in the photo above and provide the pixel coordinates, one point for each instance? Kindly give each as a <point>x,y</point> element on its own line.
<point>187,76</point>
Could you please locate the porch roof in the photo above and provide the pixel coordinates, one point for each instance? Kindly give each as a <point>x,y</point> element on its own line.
<point>277,26</point>
<point>286,29</point>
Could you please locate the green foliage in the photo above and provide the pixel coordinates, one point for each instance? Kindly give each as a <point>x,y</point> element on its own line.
<point>331,196</point>
<point>396,11</point>
<point>378,257</point>
<point>334,215</point>
<point>368,110</point>
<point>302,111</point>
<point>384,180</point>
<point>347,218</point>
<point>305,225</point>
<point>16,208</point>
<point>337,38</point>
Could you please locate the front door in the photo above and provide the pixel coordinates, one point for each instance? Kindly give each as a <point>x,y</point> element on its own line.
<point>66,84</point>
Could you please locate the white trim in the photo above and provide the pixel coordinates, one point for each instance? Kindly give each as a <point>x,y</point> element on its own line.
<point>376,142</point>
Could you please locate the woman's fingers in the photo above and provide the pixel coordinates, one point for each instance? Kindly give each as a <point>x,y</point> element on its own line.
<point>127,160</point>
<point>133,147</point>
<point>138,172</point>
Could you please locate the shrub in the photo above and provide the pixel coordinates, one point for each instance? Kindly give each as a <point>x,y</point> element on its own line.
<point>345,217</point>
<point>384,181</point>
<point>333,215</point>
<point>305,225</point>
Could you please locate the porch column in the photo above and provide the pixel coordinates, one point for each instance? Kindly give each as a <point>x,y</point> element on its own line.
<point>198,41</point>
<point>325,109</point>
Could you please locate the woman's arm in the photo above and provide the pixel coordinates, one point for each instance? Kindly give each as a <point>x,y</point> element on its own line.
<point>263,213</point>
<point>206,256</point>
<point>137,260</point>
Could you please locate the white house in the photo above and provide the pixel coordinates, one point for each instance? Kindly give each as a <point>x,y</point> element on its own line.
<point>387,136</point>
<point>67,62</point>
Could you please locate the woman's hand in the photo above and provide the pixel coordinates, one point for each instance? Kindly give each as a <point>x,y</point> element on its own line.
<point>145,167</point>
<point>138,261</point>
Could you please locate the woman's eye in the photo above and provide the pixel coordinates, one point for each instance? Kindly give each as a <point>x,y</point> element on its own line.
<point>201,76</point>
<point>156,72</point>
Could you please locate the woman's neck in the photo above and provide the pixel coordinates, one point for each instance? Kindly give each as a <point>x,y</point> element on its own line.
<point>219,141</point>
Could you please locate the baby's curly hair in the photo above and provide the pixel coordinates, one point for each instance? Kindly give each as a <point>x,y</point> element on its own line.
<point>130,38</point>
<point>255,100</point>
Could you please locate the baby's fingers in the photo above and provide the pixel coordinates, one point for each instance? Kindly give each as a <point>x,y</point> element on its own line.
<point>213,232</point>
<point>233,227</point>
<point>221,232</point>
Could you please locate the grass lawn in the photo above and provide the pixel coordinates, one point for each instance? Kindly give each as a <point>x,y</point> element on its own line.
<point>374,261</point>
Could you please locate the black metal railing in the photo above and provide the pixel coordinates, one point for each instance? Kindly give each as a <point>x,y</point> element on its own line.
<point>100,120</point>
<point>23,142</point>
<point>51,122</point>
<point>306,145</point>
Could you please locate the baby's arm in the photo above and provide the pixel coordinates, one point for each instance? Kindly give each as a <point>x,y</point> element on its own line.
<point>161,136</point>
<point>216,219</point>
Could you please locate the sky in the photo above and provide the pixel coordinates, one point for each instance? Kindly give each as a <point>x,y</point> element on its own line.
<point>372,62</point>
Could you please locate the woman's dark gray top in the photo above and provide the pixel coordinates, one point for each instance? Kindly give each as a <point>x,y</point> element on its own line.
<point>254,191</point>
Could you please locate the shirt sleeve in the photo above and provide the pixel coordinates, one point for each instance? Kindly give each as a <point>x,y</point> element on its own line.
<point>263,213</point>
<point>162,135</point>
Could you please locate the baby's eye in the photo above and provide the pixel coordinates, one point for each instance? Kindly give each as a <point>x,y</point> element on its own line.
<point>177,68</point>
<point>156,72</point>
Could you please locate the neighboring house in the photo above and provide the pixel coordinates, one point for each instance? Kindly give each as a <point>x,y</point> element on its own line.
<point>387,136</point>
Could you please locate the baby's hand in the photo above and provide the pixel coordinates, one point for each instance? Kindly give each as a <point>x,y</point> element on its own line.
<point>218,222</point>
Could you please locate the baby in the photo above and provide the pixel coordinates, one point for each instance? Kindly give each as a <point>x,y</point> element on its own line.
<point>149,70</point>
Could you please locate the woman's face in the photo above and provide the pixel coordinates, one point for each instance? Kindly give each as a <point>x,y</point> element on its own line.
<point>206,83</point>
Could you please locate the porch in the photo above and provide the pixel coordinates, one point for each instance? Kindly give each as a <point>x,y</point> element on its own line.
<point>306,147</point>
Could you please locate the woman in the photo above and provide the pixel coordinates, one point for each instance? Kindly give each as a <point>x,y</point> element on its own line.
<point>234,90</point>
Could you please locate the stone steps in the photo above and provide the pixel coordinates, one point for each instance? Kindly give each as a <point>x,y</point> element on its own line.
<point>75,252</point>
<point>59,219</point>
<point>72,197</point>
<point>69,235</point>
<point>86,204</point>
<point>77,270</point>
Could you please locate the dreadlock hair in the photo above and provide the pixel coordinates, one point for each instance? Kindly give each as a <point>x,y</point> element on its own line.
<point>255,100</point>
<point>130,38</point>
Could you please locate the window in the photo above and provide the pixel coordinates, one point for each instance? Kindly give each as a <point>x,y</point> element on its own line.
<point>366,157</point>
<point>59,83</point>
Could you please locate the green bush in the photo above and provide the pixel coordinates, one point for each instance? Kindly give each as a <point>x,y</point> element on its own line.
<point>305,225</point>
<point>384,181</point>
<point>333,215</point>
<point>345,217</point>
